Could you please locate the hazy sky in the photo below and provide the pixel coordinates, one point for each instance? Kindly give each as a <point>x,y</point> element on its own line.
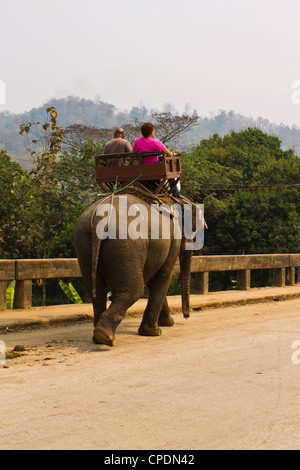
<point>236,55</point>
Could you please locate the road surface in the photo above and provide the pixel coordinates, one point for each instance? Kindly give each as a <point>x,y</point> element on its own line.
<point>227,378</point>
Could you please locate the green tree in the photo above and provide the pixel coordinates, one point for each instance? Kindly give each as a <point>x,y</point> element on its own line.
<point>250,190</point>
<point>75,170</point>
<point>13,203</point>
<point>61,185</point>
<point>48,202</point>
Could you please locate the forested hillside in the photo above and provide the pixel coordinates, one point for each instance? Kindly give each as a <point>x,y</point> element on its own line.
<point>73,110</point>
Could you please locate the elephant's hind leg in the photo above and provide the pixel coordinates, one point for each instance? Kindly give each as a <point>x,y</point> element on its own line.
<point>165,318</point>
<point>104,332</point>
<point>99,303</point>
<point>105,328</point>
<point>157,307</point>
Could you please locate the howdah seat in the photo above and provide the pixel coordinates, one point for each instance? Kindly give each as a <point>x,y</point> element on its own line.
<point>164,174</point>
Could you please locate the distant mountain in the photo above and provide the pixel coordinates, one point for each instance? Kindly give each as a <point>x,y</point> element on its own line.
<point>71,110</point>
<point>223,122</point>
<point>74,110</point>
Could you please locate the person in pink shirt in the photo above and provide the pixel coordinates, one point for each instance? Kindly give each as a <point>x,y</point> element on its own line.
<point>148,143</point>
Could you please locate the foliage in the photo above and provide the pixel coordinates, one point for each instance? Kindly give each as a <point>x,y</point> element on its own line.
<point>13,203</point>
<point>38,210</point>
<point>10,294</point>
<point>50,138</point>
<point>75,171</point>
<point>48,202</point>
<point>55,200</point>
<point>70,292</point>
<point>173,289</point>
<point>250,190</point>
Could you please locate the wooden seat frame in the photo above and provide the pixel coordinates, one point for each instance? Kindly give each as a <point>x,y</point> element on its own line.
<point>165,174</point>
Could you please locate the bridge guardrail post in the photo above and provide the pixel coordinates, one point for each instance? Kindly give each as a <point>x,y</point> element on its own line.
<point>3,286</point>
<point>290,276</point>
<point>201,283</point>
<point>23,294</point>
<point>279,277</point>
<point>243,279</point>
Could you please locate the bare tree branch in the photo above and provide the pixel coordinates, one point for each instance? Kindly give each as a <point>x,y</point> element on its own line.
<point>77,134</point>
<point>168,125</point>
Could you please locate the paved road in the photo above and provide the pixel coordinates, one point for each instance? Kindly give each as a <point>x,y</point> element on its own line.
<point>224,379</point>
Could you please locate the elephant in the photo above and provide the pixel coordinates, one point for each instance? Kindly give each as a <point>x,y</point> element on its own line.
<point>125,265</point>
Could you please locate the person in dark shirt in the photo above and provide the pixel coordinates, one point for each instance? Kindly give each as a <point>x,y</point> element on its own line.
<point>117,145</point>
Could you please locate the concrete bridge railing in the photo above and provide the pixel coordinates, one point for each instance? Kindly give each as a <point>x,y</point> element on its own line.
<point>24,271</point>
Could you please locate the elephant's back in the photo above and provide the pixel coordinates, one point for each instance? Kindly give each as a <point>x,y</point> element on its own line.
<point>114,200</point>
<point>85,218</point>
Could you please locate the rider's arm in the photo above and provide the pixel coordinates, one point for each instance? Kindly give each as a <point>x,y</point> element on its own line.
<point>170,154</point>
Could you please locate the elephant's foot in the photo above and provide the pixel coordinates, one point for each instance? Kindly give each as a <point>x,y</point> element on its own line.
<point>146,330</point>
<point>165,320</point>
<point>103,336</point>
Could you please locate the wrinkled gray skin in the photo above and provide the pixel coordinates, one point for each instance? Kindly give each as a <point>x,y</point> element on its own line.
<point>125,267</point>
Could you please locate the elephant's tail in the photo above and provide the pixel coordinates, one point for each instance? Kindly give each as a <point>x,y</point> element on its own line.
<point>96,243</point>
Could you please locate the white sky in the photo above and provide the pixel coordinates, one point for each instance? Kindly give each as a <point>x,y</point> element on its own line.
<point>236,55</point>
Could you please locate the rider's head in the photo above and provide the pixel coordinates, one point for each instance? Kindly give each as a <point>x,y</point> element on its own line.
<point>119,133</point>
<point>147,129</point>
